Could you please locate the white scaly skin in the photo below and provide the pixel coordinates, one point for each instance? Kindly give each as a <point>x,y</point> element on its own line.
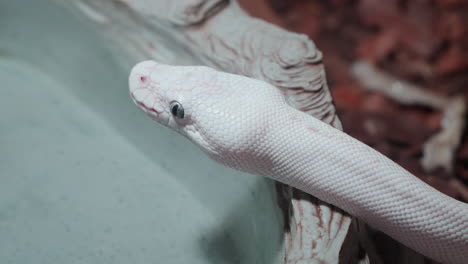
<point>247,125</point>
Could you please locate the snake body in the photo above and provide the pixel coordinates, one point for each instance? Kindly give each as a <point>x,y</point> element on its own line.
<point>247,125</point>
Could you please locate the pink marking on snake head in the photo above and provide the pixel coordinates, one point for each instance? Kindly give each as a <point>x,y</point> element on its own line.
<point>146,92</point>
<point>140,74</point>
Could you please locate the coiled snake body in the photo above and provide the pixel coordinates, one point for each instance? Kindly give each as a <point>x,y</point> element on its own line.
<point>247,125</point>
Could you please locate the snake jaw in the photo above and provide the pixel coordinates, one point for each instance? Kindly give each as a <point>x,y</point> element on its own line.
<point>160,116</point>
<point>194,135</point>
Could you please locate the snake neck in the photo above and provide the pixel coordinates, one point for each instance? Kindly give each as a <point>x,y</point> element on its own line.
<point>314,157</point>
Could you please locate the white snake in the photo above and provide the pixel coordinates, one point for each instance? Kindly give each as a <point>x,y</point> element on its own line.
<point>247,125</point>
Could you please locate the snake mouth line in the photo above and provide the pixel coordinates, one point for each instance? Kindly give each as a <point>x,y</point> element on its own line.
<point>143,106</point>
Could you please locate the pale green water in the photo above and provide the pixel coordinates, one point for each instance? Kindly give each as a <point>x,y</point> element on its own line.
<point>86,178</point>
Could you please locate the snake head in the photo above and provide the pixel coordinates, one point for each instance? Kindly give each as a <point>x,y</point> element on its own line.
<point>226,115</point>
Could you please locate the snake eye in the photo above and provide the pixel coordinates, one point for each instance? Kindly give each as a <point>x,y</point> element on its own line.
<point>177,110</point>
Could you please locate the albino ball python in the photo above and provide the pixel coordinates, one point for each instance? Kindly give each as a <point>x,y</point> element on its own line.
<point>247,125</point>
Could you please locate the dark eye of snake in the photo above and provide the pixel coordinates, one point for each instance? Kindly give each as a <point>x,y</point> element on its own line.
<point>177,110</point>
